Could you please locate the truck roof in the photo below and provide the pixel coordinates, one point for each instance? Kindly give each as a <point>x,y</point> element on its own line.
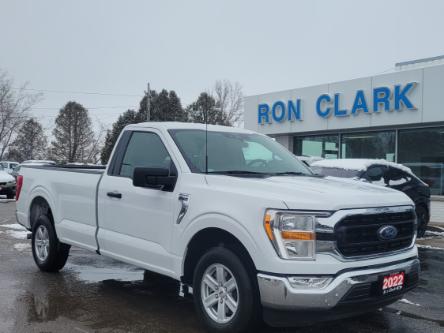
<point>167,125</point>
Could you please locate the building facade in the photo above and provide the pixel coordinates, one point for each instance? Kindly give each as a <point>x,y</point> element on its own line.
<point>395,116</point>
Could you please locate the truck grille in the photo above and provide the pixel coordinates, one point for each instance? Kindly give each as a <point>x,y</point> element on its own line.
<point>358,235</point>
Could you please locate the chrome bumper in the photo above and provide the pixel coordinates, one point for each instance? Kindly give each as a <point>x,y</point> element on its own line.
<point>277,293</point>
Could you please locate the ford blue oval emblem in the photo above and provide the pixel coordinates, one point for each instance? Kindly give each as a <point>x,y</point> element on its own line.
<point>387,232</point>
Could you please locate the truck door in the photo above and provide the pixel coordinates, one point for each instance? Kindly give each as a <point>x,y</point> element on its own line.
<point>135,223</point>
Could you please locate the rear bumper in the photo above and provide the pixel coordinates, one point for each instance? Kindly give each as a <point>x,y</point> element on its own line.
<point>349,293</point>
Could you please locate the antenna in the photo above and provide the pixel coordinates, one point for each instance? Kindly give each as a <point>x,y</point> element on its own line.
<point>206,140</point>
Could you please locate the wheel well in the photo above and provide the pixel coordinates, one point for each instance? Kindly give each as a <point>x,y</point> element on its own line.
<point>39,207</point>
<point>206,239</point>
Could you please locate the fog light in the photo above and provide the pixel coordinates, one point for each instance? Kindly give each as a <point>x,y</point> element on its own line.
<point>305,282</point>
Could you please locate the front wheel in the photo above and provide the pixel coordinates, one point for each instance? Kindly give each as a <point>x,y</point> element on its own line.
<point>225,296</point>
<point>423,219</point>
<point>49,253</point>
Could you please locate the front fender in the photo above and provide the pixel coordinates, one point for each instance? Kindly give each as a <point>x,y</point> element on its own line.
<point>220,221</point>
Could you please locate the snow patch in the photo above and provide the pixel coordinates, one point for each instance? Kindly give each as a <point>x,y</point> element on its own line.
<point>359,164</point>
<point>434,233</point>
<point>17,234</point>
<point>406,301</point>
<point>22,246</point>
<point>14,226</point>
<point>429,247</point>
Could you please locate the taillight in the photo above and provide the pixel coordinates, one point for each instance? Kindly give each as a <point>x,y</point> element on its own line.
<point>18,187</point>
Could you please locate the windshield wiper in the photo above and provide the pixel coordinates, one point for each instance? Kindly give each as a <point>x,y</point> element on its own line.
<point>290,173</point>
<point>239,173</point>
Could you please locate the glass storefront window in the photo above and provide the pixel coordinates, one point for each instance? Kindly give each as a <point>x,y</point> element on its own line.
<point>326,146</point>
<point>423,151</point>
<point>369,145</point>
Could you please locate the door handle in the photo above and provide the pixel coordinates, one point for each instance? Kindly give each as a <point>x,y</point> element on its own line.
<point>116,195</point>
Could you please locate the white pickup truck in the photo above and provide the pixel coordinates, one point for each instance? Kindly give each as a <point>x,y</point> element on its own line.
<point>245,227</point>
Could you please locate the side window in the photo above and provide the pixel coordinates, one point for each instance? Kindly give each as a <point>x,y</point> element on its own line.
<point>144,150</point>
<point>396,177</point>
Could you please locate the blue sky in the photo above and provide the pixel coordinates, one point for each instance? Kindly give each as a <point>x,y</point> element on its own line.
<point>117,46</point>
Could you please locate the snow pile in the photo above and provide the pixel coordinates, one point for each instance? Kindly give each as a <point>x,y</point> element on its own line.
<point>359,164</point>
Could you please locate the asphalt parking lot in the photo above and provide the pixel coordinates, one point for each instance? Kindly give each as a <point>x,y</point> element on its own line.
<point>96,294</point>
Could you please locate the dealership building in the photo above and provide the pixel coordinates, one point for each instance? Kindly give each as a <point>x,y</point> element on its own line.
<point>397,116</point>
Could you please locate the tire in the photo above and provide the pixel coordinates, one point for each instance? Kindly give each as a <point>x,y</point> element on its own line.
<point>49,253</point>
<point>245,294</point>
<point>423,219</point>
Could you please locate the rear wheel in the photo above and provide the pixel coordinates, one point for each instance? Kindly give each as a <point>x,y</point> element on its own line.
<point>49,253</point>
<point>225,296</point>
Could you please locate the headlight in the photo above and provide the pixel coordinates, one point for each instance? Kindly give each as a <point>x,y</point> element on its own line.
<point>292,233</point>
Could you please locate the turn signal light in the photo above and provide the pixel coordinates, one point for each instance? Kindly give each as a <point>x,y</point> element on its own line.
<point>267,225</point>
<point>298,235</point>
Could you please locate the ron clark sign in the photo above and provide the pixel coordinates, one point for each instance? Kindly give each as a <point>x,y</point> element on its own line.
<point>326,105</point>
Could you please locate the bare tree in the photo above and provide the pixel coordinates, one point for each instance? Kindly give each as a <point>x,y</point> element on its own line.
<point>14,107</point>
<point>97,143</point>
<point>229,100</point>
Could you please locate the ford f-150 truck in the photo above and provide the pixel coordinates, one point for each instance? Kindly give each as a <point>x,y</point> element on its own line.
<point>248,230</point>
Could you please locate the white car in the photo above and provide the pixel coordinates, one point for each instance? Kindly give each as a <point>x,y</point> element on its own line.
<point>7,184</point>
<point>245,227</point>
<point>8,166</point>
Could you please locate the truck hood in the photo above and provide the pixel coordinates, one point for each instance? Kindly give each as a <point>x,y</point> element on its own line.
<point>314,193</point>
<point>6,177</point>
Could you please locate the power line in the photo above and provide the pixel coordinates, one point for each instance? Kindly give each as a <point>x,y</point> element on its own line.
<point>88,108</point>
<point>78,92</point>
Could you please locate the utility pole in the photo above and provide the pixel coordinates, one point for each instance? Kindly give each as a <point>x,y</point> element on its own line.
<point>148,103</point>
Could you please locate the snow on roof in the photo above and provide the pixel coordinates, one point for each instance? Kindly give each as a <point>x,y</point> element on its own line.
<point>359,164</point>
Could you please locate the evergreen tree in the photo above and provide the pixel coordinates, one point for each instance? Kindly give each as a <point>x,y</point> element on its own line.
<point>30,143</point>
<point>127,118</point>
<point>205,107</point>
<point>73,134</point>
<point>164,106</point>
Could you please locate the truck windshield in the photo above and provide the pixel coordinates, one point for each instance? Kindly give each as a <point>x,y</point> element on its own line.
<point>236,154</point>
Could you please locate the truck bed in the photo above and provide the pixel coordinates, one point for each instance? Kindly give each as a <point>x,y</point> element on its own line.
<point>70,188</point>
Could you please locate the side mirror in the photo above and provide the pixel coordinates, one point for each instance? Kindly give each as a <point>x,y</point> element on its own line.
<point>156,178</point>
<point>375,174</point>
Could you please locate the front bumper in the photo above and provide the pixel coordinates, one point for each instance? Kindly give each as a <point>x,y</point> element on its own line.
<point>357,288</point>
<point>7,189</point>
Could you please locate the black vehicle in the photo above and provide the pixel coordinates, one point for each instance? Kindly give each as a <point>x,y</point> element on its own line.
<point>383,173</point>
